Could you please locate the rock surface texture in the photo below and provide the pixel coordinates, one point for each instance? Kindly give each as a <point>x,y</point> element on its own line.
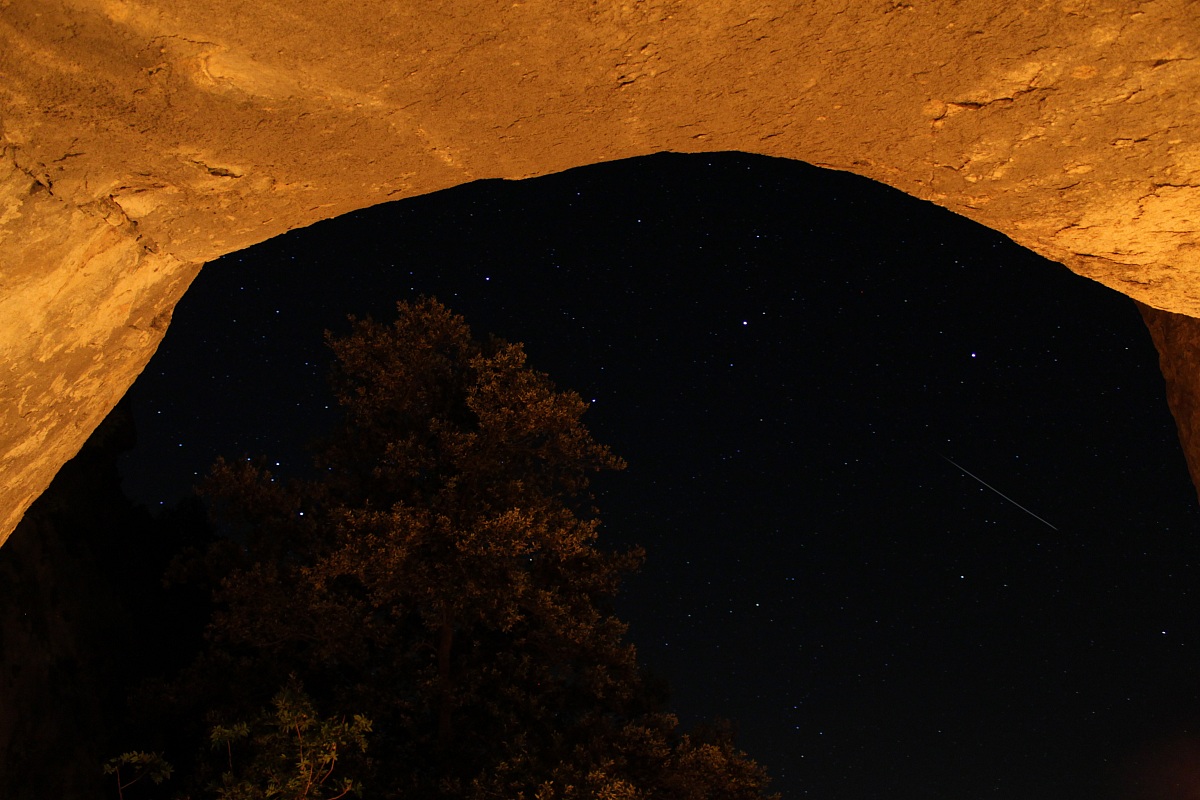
<point>141,138</point>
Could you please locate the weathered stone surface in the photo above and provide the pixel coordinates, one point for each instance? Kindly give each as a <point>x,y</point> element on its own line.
<point>142,139</point>
<point>83,304</point>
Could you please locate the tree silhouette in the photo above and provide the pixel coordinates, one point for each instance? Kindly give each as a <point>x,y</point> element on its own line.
<point>442,575</point>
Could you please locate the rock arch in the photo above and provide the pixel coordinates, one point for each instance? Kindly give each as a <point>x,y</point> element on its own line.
<point>142,138</point>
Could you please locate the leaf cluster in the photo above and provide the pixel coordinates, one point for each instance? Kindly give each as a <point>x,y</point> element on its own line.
<point>289,753</point>
<point>137,765</point>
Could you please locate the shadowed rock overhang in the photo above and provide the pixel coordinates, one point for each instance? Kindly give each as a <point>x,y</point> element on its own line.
<point>142,139</point>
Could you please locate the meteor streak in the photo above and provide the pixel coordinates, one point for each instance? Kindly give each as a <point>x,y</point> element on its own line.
<point>997,491</point>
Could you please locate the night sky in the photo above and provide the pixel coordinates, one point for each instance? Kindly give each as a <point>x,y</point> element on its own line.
<point>916,516</point>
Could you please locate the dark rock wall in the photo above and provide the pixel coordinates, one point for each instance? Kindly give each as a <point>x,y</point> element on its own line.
<point>72,635</point>
<point>1177,339</point>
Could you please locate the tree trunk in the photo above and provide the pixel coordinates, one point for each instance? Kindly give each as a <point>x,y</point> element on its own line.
<point>445,643</point>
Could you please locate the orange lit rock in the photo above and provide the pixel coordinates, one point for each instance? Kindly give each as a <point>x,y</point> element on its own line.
<point>142,138</point>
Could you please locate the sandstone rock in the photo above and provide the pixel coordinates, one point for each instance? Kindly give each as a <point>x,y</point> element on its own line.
<point>1177,339</point>
<point>142,138</point>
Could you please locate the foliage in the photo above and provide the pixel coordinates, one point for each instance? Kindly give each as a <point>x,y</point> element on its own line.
<point>137,765</point>
<point>646,759</point>
<point>292,752</point>
<point>443,570</point>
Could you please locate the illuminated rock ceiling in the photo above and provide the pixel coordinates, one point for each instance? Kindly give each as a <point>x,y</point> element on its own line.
<point>141,139</point>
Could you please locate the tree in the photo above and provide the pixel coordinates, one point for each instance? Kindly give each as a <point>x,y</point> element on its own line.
<point>293,754</point>
<point>443,571</point>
